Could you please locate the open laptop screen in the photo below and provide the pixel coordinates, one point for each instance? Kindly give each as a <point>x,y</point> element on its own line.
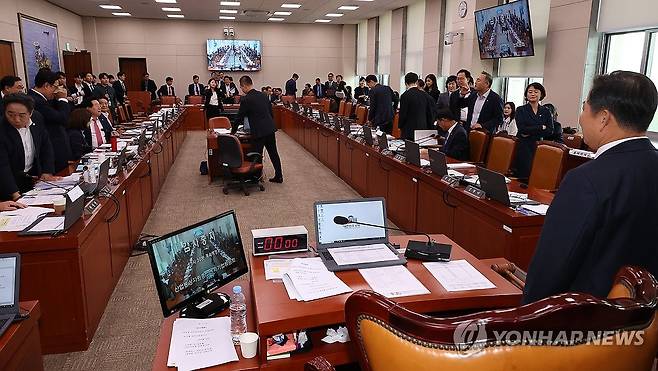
<point>7,281</point>
<point>369,211</point>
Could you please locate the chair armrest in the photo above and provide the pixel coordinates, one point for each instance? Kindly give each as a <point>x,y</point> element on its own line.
<point>318,364</point>
<point>257,157</point>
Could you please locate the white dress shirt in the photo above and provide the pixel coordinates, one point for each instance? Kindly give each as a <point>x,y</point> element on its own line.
<point>477,108</point>
<point>28,146</point>
<point>614,143</point>
<point>94,138</point>
<point>214,99</point>
<point>508,125</point>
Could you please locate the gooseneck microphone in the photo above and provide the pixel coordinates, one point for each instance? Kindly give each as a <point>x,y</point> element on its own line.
<point>426,251</point>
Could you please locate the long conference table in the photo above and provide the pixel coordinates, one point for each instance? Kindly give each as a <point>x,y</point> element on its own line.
<point>74,275</point>
<point>420,201</point>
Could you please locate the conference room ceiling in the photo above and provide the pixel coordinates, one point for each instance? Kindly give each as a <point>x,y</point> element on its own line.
<point>248,11</point>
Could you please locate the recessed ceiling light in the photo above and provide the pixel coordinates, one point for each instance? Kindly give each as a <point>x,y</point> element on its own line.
<point>113,7</point>
<point>291,5</point>
<point>228,17</point>
<point>322,20</point>
<point>348,7</point>
<point>175,16</point>
<point>335,15</point>
<point>122,14</point>
<point>171,9</point>
<point>228,11</point>
<point>229,3</point>
<point>166,1</point>
<point>274,19</point>
<point>282,13</point>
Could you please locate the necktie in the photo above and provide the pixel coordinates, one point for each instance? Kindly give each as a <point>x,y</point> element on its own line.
<point>196,89</point>
<point>97,131</point>
<point>168,90</point>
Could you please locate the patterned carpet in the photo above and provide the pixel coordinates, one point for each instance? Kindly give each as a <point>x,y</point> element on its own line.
<point>128,332</point>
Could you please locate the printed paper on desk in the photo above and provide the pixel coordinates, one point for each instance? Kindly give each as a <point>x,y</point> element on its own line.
<point>538,209</point>
<point>461,165</point>
<point>362,254</point>
<point>458,275</point>
<point>275,268</point>
<point>51,223</point>
<point>394,281</point>
<point>313,281</point>
<point>200,343</point>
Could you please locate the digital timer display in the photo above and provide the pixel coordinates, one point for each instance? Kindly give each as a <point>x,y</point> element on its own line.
<point>280,240</point>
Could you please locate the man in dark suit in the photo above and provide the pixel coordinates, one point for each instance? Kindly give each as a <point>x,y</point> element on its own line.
<point>456,141</point>
<point>77,90</point>
<point>148,85</point>
<point>380,113</point>
<point>603,216</point>
<point>88,84</point>
<point>168,88</point>
<point>25,148</point>
<point>51,109</point>
<point>229,90</point>
<point>459,99</point>
<point>105,89</point>
<point>256,108</point>
<point>485,107</point>
<point>318,89</point>
<point>415,110</point>
<point>195,88</point>
<point>120,87</point>
<point>291,85</point>
<point>9,85</point>
<point>330,85</point>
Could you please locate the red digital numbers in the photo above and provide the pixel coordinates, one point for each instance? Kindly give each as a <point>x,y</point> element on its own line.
<point>279,243</point>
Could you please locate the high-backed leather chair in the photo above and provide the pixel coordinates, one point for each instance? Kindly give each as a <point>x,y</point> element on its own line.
<point>478,141</point>
<point>501,153</point>
<point>326,105</point>
<point>387,336</point>
<point>308,99</point>
<point>361,114</point>
<point>547,165</point>
<point>129,111</point>
<point>349,107</point>
<point>287,99</point>
<point>123,116</point>
<point>341,108</point>
<point>573,140</point>
<point>220,122</point>
<point>195,99</point>
<point>167,100</point>
<point>396,129</point>
<point>244,169</point>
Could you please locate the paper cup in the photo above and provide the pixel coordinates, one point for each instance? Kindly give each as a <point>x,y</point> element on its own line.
<point>249,344</point>
<point>59,204</point>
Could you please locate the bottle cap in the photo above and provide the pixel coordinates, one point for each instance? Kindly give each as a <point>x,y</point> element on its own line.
<point>237,289</point>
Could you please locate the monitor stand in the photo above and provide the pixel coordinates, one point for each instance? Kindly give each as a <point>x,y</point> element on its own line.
<point>207,306</point>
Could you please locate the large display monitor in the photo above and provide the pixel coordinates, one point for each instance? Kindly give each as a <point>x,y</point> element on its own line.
<point>504,31</point>
<point>190,262</point>
<point>234,55</point>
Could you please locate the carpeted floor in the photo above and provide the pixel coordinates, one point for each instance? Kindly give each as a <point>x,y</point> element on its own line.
<point>128,332</point>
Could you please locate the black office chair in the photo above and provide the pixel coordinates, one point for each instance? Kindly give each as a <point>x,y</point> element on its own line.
<point>242,173</point>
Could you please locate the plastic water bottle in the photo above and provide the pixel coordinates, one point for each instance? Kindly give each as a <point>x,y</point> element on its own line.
<point>238,310</point>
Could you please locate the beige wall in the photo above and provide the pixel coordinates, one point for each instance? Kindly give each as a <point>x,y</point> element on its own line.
<point>69,25</point>
<point>178,48</point>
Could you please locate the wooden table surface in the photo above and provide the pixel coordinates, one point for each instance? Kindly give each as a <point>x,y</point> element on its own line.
<point>20,346</point>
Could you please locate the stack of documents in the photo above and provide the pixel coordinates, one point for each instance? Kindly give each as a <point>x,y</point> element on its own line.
<point>200,343</point>
<point>17,220</point>
<point>66,182</point>
<point>458,275</point>
<point>540,209</point>
<point>461,165</point>
<point>309,279</point>
<point>393,282</point>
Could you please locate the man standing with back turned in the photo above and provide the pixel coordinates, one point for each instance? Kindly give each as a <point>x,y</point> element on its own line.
<point>380,113</point>
<point>603,217</point>
<point>256,107</point>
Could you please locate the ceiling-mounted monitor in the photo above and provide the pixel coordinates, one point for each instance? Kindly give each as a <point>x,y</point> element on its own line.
<point>233,55</point>
<point>504,31</point>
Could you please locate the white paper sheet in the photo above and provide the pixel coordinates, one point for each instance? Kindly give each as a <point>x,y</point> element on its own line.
<point>461,165</point>
<point>312,281</point>
<point>38,199</point>
<point>15,223</point>
<point>458,275</point>
<point>362,254</point>
<point>200,343</point>
<point>393,282</point>
<point>51,223</point>
<point>424,162</point>
<point>275,268</point>
<point>539,209</point>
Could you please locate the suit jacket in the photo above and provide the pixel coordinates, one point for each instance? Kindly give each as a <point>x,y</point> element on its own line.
<point>163,91</point>
<point>257,108</point>
<point>443,101</point>
<point>457,145</point>
<point>318,90</point>
<point>291,87</point>
<point>107,128</point>
<point>361,93</point>
<point>603,217</point>
<point>80,142</point>
<point>12,158</point>
<point>88,89</point>
<point>491,114</point>
<point>457,102</point>
<point>415,112</point>
<point>150,87</point>
<point>120,91</point>
<point>54,116</point>
<point>228,98</point>
<point>190,89</point>
<point>381,105</point>
<point>207,94</point>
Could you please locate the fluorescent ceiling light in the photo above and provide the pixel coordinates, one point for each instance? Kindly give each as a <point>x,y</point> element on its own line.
<point>166,1</point>
<point>322,20</point>
<point>291,5</point>
<point>348,7</point>
<point>334,15</point>
<point>274,19</point>
<point>228,11</point>
<point>282,13</point>
<point>228,17</point>
<point>365,0</point>
<point>171,9</point>
<point>122,14</point>
<point>113,7</point>
<point>229,3</point>
<point>175,16</point>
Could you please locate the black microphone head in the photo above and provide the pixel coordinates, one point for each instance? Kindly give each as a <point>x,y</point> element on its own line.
<point>341,220</point>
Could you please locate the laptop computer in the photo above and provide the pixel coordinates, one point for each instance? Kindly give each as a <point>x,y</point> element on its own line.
<point>295,106</point>
<point>412,154</point>
<point>52,225</point>
<point>439,164</point>
<point>382,142</point>
<point>10,268</point>
<point>354,246</point>
<point>347,128</point>
<point>101,181</point>
<point>141,142</point>
<point>367,134</point>
<point>494,185</point>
